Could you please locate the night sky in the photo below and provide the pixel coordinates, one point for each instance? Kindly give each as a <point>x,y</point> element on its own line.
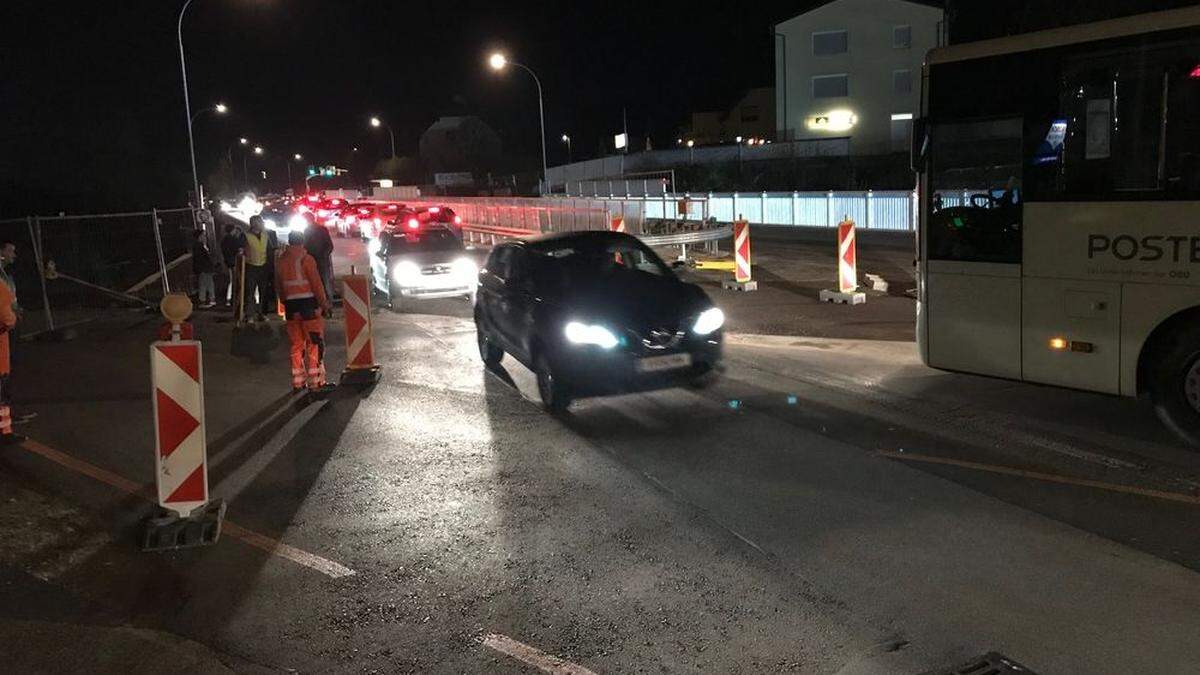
<point>93,109</point>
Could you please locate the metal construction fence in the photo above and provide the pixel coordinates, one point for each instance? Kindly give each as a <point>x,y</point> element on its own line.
<point>71,265</point>
<point>883,210</point>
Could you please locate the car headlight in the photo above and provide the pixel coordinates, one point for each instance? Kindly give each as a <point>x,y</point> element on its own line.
<point>590,334</point>
<point>465,268</point>
<point>708,321</point>
<point>297,223</point>
<point>406,273</point>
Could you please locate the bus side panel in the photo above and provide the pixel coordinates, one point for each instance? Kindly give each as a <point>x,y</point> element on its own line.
<point>974,317</point>
<point>1145,307</point>
<point>1150,249</point>
<point>1085,314</point>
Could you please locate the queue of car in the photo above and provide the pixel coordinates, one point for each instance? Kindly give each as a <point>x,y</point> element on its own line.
<point>590,313</point>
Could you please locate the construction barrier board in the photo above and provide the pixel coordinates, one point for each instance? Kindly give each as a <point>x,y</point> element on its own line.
<point>360,348</point>
<point>847,257</point>
<point>181,454</point>
<point>741,251</point>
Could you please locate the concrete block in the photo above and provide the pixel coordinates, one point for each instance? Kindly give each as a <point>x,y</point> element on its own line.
<point>731,285</point>
<point>855,298</point>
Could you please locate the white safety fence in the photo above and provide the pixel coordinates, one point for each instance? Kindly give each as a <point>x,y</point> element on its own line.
<point>882,210</point>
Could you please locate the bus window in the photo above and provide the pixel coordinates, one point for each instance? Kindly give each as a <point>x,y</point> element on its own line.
<point>975,181</point>
<point>1127,118</point>
<point>1183,130</point>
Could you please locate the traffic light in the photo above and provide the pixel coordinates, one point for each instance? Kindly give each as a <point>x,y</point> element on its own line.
<point>312,171</point>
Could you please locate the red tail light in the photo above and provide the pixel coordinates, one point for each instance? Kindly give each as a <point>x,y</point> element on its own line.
<point>435,209</point>
<point>414,224</point>
<point>458,220</point>
<point>1195,74</point>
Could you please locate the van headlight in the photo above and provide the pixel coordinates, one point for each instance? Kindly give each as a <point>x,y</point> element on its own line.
<point>590,334</point>
<point>708,321</point>
<point>406,273</point>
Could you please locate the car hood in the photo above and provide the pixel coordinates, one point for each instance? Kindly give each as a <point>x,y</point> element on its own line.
<point>634,301</point>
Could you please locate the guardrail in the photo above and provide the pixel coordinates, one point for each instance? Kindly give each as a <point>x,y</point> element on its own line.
<point>488,234</point>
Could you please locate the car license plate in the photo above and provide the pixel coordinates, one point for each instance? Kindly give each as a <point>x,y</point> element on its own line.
<point>654,364</point>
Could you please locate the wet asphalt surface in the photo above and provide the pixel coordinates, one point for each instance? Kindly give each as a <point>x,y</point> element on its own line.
<point>751,527</point>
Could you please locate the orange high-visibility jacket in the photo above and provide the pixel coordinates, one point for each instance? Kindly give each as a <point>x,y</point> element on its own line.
<point>9,319</point>
<point>296,276</point>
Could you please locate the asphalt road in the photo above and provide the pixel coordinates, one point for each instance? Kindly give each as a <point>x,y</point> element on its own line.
<point>791,518</point>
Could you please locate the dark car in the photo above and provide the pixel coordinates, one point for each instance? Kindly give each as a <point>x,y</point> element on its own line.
<point>595,313</point>
<point>421,264</point>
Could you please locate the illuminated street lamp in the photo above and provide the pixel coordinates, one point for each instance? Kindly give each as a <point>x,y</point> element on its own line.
<point>499,62</point>
<point>567,139</point>
<point>376,122</point>
<point>219,108</point>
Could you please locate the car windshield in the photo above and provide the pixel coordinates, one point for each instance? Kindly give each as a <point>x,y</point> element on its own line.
<point>425,241</point>
<point>606,258</point>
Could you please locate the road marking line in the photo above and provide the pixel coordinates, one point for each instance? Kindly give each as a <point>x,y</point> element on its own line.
<point>298,556</point>
<point>533,656</point>
<point>249,537</point>
<point>1048,477</point>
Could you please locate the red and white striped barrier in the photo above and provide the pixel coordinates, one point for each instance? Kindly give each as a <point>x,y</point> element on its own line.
<point>181,456</point>
<point>741,259</point>
<point>618,224</point>
<point>847,258</point>
<point>360,347</point>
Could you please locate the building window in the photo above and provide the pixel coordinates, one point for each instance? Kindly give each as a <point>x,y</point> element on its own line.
<point>830,86</point>
<point>902,37</point>
<point>901,82</point>
<point>830,43</point>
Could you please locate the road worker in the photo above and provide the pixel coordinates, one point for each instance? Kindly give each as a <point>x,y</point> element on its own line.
<point>304,304</point>
<point>8,320</point>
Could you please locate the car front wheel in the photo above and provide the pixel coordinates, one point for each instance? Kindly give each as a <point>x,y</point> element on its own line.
<point>556,396</point>
<point>1175,384</point>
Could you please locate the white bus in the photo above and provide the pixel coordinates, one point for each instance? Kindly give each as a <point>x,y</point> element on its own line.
<point>1059,235</point>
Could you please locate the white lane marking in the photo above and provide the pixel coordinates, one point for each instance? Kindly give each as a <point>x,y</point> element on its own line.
<point>533,656</point>
<point>272,546</point>
<point>298,556</point>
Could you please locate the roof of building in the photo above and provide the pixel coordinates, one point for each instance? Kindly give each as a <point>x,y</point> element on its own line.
<point>935,4</point>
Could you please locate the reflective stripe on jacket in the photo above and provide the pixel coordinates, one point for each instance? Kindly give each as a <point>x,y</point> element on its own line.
<point>296,276</point>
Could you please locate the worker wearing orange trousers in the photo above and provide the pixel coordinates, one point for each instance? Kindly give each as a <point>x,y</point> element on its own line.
<point>8,319</point>
<point>304,302</point>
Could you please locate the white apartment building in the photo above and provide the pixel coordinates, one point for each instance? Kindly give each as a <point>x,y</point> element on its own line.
<point>852,68</point>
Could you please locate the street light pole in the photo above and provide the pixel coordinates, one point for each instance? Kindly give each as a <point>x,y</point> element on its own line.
<point>187,104</point>
<point>498,61</point>
<point>376,122</point>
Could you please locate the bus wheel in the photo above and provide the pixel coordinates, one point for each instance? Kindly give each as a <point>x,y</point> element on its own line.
<point>1175,385</point>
